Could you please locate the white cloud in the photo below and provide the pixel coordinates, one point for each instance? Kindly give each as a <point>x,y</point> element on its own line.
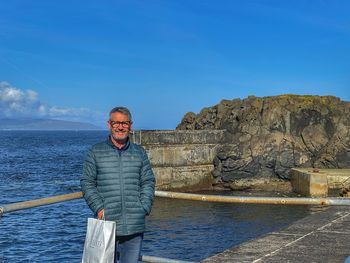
<point>32,95</point>
<point>15,102</point>
<point>58,111</point>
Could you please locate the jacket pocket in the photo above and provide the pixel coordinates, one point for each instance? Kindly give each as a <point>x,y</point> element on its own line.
<point>141,206</point>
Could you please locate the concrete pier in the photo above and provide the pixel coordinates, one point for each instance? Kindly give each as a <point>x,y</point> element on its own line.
<point>181,160</point>
<point>319,182</point>
<point>321,237</point>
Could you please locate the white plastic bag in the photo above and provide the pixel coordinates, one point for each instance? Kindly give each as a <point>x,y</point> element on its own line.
<point>99,244</point>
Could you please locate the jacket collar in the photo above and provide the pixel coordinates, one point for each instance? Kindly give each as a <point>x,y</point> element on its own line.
<point>110,143</point>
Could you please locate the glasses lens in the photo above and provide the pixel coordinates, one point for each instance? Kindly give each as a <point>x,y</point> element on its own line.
<point>124,124</point>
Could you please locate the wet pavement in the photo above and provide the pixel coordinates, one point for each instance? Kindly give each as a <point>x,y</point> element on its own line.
<point>321,237</point>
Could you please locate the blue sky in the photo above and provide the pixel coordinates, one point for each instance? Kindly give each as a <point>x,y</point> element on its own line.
<point>76,60</point>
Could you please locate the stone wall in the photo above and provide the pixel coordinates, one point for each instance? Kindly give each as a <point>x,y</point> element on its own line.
<point>181,160</point>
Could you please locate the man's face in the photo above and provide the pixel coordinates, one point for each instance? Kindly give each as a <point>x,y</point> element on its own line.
<point>120,126</point>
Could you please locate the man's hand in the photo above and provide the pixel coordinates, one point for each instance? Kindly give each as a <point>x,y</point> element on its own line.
<point>100,214</point>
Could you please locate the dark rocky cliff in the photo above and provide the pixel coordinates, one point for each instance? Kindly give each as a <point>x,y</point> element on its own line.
<point>267,136</point>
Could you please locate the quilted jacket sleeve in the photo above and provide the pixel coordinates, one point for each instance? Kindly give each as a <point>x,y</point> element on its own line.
<point>88,184</point>
<point>147,183</point>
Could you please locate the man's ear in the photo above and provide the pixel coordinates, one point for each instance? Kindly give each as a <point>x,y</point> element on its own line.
<point>109,125</point>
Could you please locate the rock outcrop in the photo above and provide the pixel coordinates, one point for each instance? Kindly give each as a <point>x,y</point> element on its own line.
<point>266,137</point>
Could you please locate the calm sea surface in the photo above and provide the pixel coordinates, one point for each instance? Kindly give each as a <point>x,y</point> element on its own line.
<point>37,164</point>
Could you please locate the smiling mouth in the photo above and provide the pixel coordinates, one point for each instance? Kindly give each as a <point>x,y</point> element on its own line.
<point>121,132</point>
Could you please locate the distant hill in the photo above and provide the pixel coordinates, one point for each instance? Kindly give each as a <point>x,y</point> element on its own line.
<point>44,124</point>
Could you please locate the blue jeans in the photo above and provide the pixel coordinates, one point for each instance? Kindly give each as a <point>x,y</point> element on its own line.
<point>128,248</point>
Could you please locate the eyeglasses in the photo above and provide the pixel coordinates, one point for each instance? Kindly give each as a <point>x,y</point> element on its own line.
<point>124,124</point>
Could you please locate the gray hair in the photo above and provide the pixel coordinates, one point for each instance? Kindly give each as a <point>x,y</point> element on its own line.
<point>122,110</point>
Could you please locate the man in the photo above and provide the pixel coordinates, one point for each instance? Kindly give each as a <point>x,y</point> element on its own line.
<point>118,184</point>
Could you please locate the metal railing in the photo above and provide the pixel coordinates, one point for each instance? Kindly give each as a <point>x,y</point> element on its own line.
<point>198,197</point>
<point>208,198</point>
<point>39,202</point>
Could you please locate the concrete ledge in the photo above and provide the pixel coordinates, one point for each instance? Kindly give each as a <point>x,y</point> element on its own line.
<point>319,182</point>
<point>320,237</point>
<point>309,183</point>
<point>159,137</point>
<point>182,160</point>
<point>183,178</point>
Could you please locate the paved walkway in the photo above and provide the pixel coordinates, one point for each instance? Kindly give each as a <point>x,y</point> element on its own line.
<point>320,237</point>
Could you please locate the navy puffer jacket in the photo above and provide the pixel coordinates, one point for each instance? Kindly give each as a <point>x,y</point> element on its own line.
<point>122,184</point>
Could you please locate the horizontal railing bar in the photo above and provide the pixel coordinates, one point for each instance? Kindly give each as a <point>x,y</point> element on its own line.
<point>39,202</point>
<point>197,197</point>
<point>255,200</point>
<point>151,259</point>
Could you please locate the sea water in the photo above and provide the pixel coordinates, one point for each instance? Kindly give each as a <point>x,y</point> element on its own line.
<point>38,164</point>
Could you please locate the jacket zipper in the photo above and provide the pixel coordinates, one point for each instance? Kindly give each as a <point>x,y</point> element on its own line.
<point>125,230</point>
